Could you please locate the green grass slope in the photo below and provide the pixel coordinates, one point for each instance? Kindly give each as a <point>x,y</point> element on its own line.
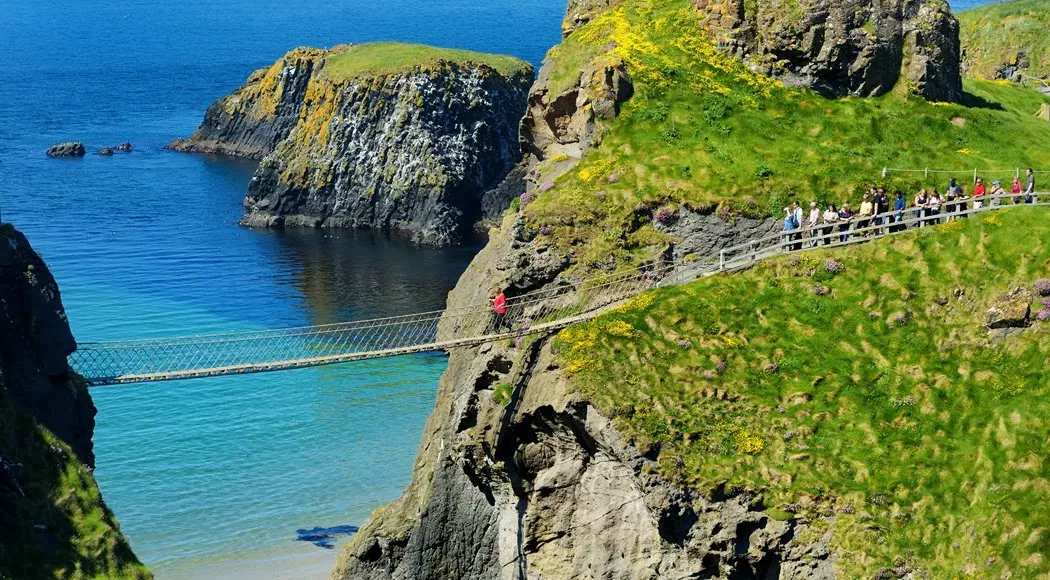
<point>61,528</point>
<point>381,58</point>
<point>874,395</point>
<point>993,35</point>
<point>704,131</point>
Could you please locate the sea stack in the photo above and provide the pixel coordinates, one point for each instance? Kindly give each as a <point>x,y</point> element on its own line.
<point>387,136</point>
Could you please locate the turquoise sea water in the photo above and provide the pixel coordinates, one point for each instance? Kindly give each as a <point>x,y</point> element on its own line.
<point>213,478</point>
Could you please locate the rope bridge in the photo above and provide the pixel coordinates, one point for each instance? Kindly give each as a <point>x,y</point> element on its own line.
<point>543,311</point>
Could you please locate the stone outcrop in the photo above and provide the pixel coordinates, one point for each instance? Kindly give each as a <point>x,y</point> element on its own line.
<point>105,152</point>
<point>70,149</point>
<point>520,477</point>
<point>34,342</point>
<point>844,47</point>
<point>412,151</point>
<point>569,121</point>
<point>1012,310</point>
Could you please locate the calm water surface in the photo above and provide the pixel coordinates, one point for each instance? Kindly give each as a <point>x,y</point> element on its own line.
<point>213,477</point>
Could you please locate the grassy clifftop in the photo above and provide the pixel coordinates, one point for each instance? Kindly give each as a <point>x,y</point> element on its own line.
<point>703,130</point>
<point>381,58</point>
<point>864,395</point>
<point>994,34</point>
<point>60,528</point>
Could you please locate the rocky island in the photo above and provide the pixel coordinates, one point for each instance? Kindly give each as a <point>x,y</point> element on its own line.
<point>403,138</point>
<point>767,424</point>
<point>53,522</point>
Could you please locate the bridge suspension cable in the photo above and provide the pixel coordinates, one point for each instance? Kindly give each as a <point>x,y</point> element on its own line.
<point>560,305</point>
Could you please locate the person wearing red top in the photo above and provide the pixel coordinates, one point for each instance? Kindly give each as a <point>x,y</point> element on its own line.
<point>1016,189</point>
<point>499,309</point>
<point>978,194</point>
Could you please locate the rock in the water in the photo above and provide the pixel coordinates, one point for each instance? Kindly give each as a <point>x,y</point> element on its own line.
<point>70,149</point>
<point>845,47</point>
<point>411,150</point>
<point>125,147</point>
<point>105,152</point>
<point>1013,310</point>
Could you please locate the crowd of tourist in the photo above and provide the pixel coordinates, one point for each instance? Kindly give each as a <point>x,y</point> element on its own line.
<point>880,213</point>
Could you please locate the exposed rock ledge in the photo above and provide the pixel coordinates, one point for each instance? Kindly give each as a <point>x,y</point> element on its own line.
<point>401,138</point>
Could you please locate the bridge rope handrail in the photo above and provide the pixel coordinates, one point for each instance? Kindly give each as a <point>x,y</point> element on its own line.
<point>544,310</point>
<point>909,216</point>
<point>530,298</point>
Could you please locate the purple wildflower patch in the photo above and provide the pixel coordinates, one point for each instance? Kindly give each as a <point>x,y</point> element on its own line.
<point>1042,287</point>
<point>834,267</point>
<point>663,215</point>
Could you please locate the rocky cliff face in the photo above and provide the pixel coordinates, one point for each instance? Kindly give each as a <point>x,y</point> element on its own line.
<point>519,477</point>
<point>53,522</point>
<point>412,151</point>
<point>569,121</point>
<point>845,47</point>
<point>34,342</point>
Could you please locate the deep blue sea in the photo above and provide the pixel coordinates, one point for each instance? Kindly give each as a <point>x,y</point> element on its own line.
<point>213,478</point>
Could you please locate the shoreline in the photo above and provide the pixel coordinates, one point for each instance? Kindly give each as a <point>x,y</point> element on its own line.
<point>302,560</point>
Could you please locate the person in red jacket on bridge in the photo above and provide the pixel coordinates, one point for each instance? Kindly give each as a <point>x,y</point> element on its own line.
<point>499,310</point>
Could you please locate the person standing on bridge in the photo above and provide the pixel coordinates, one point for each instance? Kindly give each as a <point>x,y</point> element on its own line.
<point>499,311</point>
<point>1029,190</point>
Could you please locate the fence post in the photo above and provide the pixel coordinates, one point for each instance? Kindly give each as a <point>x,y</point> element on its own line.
<point>975,176</point>
<point>926,173</point>
<point>722,260</point>
<point>885,172</point>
